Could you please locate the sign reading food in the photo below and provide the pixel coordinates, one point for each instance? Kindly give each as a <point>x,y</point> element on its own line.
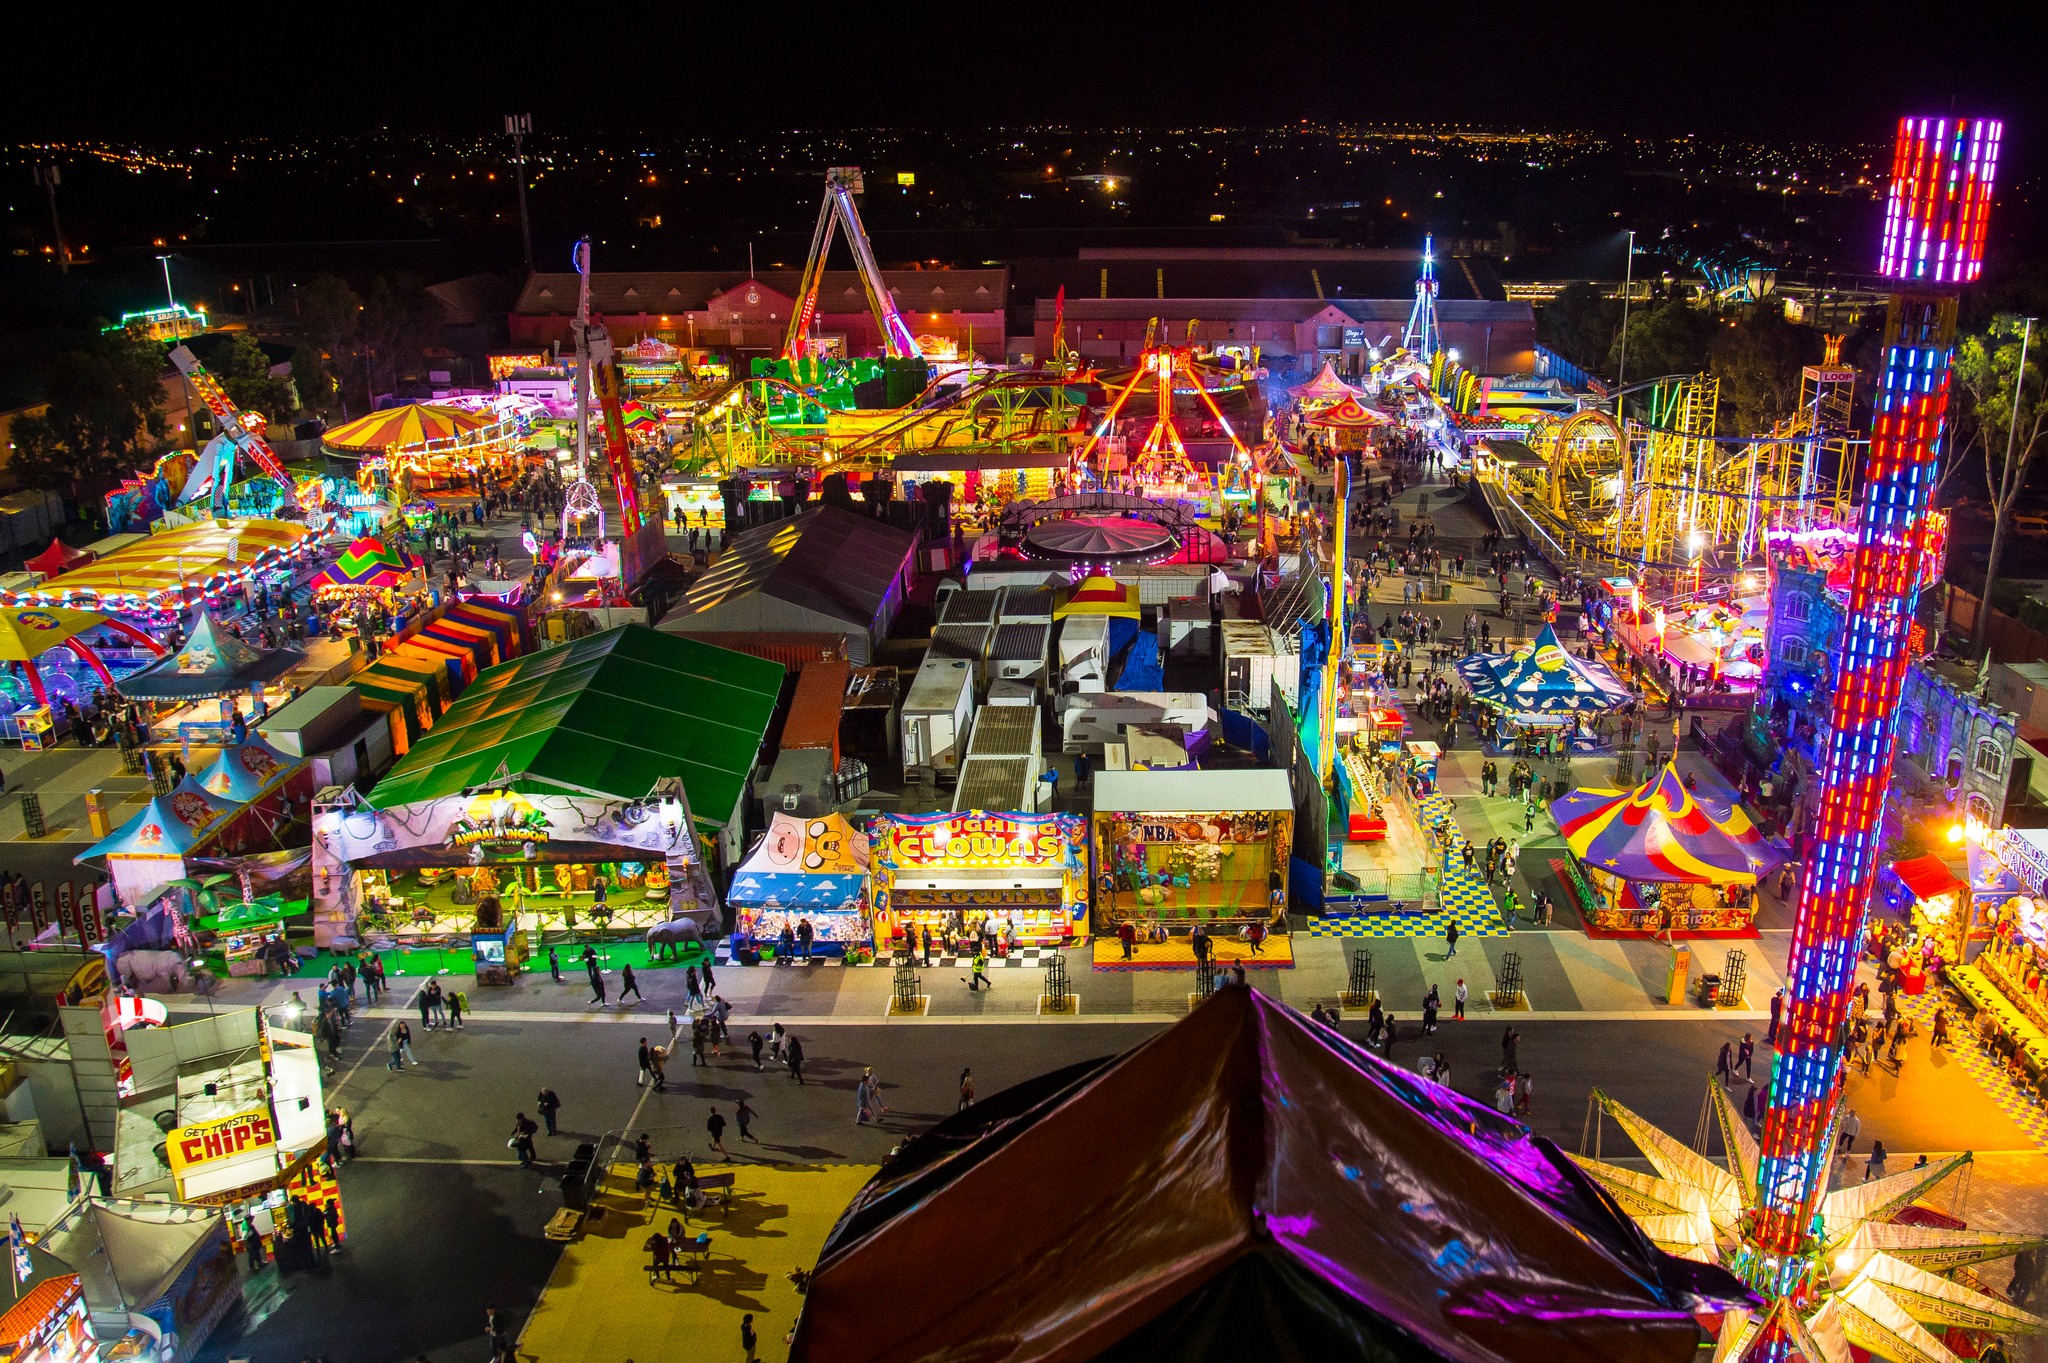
<point>225,1138</point>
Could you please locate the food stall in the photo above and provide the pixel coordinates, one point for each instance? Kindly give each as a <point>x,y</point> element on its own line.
<point>805,870</point>
<point>46,1321</point>
<point>1656,860</point>
<point>1187,845</point>
<point>951,874</point>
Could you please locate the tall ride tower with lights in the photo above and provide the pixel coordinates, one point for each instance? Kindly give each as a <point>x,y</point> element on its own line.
<point>1422,339</point>
<point>1933,245</point>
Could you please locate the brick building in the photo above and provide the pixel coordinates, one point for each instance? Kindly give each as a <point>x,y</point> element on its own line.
<point>1299,306</point>
<point>742,315</point>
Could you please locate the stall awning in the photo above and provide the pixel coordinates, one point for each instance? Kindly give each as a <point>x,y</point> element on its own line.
<point>1927,877</point>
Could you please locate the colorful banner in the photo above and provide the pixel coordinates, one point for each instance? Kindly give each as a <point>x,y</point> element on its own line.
<point>974,840</point>
<point>244,1133</point>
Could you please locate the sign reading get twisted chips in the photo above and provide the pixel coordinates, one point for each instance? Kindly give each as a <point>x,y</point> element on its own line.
<point>205,1143</point>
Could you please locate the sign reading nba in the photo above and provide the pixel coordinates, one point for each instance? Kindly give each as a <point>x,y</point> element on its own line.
<point>225,1138</point>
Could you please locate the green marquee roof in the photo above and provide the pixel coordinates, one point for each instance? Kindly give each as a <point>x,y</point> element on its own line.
<point>608,715</point>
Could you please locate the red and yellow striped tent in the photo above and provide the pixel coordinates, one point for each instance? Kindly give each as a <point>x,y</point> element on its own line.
<point>414,426</point>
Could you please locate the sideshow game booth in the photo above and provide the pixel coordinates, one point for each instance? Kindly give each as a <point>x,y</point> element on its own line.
<point>811,870</point>
<point>2001,962</point>
<point>1173,848</point>
<point>958,875</point>
<point>551,790</point>
<point>1656,861</point>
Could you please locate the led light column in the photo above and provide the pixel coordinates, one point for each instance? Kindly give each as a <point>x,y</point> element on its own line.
<point>1933,244</point>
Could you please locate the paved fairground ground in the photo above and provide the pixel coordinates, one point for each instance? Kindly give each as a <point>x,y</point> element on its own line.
<point>444,1222</point>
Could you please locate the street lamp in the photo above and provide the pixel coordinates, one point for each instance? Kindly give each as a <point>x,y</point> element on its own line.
<point>169,297</point>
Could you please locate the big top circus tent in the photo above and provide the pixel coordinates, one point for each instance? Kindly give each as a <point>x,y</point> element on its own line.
<point>1098,596</point>
<point>1350,415</point>
<point>417,428</point>
<point>367,565</point>
<point>1661,832</point>
<point>1657,858</point>
<point>1542,679</point>
<point>1324,387</point>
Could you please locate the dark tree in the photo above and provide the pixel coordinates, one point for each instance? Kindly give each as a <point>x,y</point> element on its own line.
<point>105,413</point>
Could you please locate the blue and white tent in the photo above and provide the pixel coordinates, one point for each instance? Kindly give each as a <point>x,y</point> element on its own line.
<point>1543,679</point>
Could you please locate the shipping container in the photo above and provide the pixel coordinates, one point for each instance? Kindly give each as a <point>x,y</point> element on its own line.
<point>1004,784</point>
<point>1088,722</point>
<point>1012,693</point>
<point>1027,604</point>
<point>1020,576</point>
<point>967,643</point>
<point>935,718</point>
<point>308,724</point>
<point>1253,661</point>
<point>1006,731</point>
<point>1081,633</point>
<point>815,709</point>
<point>1019,651</point>
<point>791,648</point>
<point>1164,582</point>
<point>1184,631</point>
<point>972,606</point>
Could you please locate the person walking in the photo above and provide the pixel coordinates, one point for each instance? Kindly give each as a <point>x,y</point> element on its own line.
<point>744,1116</point>
<point>777,1039</point>
<point>457,1001</point>
<point>1852,1127</point>
<point>1451,936</point>
<point>629,985</point>
<point>714,1125</point>
<point>1874,1166</point>
<point>1744,1054</point>
<point>426,1010</point>
<point>966,1088</point>
<point>1429,1010</point>
<point>401,1037</point>
<point>1724,1064</point>
<point>693,990</point>
<point>1458,997</point>
<point>554,965</point>
<point>795,1051</point>
<point>980,969</point>
<point>861,1099</point>
<point>523,1130</point>
<point>1510,1048</point>
<point>1777,1014</point>
<point>596,983</point>
<point>397,1049</point>
<point>549,1103</point>
<point>748,1339</point>
<point>754,1041</point>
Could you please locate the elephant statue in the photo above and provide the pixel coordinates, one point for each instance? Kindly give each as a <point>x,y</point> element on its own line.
<point>162,971</point>
<point>674,934</point>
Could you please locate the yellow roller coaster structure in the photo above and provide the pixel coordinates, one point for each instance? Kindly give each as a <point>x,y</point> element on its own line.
<point>1667,489</point>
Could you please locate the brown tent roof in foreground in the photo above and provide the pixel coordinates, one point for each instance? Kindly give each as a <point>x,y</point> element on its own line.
<point>1243,1185</point>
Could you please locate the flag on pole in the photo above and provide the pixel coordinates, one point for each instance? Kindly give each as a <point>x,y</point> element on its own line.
<point>17,1241</point>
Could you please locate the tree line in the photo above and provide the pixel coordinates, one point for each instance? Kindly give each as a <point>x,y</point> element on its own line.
<point>107,414</point>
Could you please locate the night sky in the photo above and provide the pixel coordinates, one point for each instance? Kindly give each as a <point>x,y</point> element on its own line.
<point>1790,71</point>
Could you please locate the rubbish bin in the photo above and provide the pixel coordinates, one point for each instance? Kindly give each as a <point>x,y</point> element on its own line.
<point>1710,990</point>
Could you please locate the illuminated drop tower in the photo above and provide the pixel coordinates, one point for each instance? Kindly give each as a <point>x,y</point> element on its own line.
<point>1933,245</point>
<point>1422,339</point>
